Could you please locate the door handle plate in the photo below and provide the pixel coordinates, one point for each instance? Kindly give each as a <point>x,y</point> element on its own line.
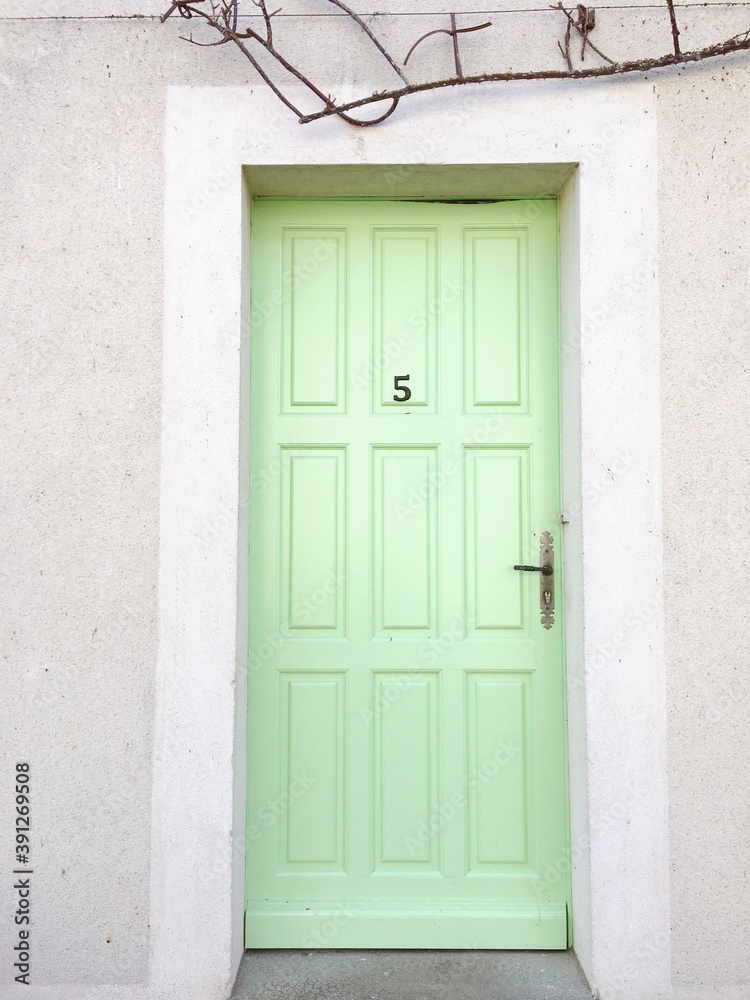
<point>546,570</point>
<point>547,582</point>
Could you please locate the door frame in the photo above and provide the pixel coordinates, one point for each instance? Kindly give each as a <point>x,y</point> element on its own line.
<point>596,152</point>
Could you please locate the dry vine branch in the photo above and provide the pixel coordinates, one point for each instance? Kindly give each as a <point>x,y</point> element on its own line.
<point>454,32</point>
<point>566,51</point>
<point>584,24</point>
<point>358,20</point>
<point>266,17</point>
<point>675,29</point>
<point>224,19</point>
<point>615,69</point>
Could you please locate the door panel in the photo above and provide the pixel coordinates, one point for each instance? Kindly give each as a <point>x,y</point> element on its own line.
<point>404,288</point>
<point>405,556</point>
<point>314,360</point>
<point>406,743</point>
<point>313,540</point>
<point>497,495</point>
<point>496,327</point>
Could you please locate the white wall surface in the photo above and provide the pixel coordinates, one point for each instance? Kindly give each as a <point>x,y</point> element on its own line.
<point>705,270</point>
<point>83,119</point>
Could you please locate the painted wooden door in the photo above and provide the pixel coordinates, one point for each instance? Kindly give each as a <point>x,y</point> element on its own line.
<point>407,763</point>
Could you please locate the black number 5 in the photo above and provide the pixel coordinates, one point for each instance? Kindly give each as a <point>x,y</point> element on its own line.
<point>401,388</point>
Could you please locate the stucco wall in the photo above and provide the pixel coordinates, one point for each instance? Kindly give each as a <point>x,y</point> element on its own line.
<point>82,182</point>
<point>82,234</point>
<point>704,183</point>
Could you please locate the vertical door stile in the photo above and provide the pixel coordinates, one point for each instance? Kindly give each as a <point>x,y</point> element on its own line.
<point>359,378</point>
<point>448,488</point>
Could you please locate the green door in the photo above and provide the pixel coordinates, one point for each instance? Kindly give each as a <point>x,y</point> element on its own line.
<point>407,763</point>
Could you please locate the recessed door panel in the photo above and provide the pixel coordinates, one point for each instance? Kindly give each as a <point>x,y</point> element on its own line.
<point>405,778</point>
<point>313,540</point>
<point>405,314</point>
<point>496,717</point>
<point>405,554</point>
<point>496,317</point>
<point>311,805</point>
<point>313,290</point>
<point>496,506</point>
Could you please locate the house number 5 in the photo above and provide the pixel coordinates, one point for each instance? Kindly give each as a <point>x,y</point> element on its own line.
<point>404,389</point>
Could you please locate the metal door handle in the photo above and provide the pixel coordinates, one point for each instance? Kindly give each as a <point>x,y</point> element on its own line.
<point>546,580</point>
<point>545,570</point>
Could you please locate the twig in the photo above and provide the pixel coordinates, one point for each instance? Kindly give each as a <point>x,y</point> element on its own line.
<point>266,17</point>
<point>574,24</point>
<point>188,10</point>
<point>456,56</point>
<point>184,9</point>
<point>566,51</point>
<point>675,29</point>
<point>586,23</point>
<point>373,39</point>
<point>444,31</point>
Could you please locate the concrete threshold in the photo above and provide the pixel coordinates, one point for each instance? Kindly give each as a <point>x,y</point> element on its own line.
<point>410,975</point>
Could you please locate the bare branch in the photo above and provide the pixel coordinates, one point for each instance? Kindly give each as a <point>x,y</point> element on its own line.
<point>266,17</point>
<point>205,45</point>
<point>445,31</point>
<point>371,121</point>
<point>223,18</point>
<point>586,23</point>
<point>456,56</point>
<point>675,29</point>
<point>566,51</point>
<point>184,9</point>
<point>582,32</point>
<point>370,35</point>
<point>591,72</point>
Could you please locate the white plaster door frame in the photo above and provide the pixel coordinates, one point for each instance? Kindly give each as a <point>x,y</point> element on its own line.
<point>219,144</point>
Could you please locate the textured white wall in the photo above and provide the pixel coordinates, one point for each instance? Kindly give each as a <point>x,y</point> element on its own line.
<point>81,187</point>
<point>704,182</point>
